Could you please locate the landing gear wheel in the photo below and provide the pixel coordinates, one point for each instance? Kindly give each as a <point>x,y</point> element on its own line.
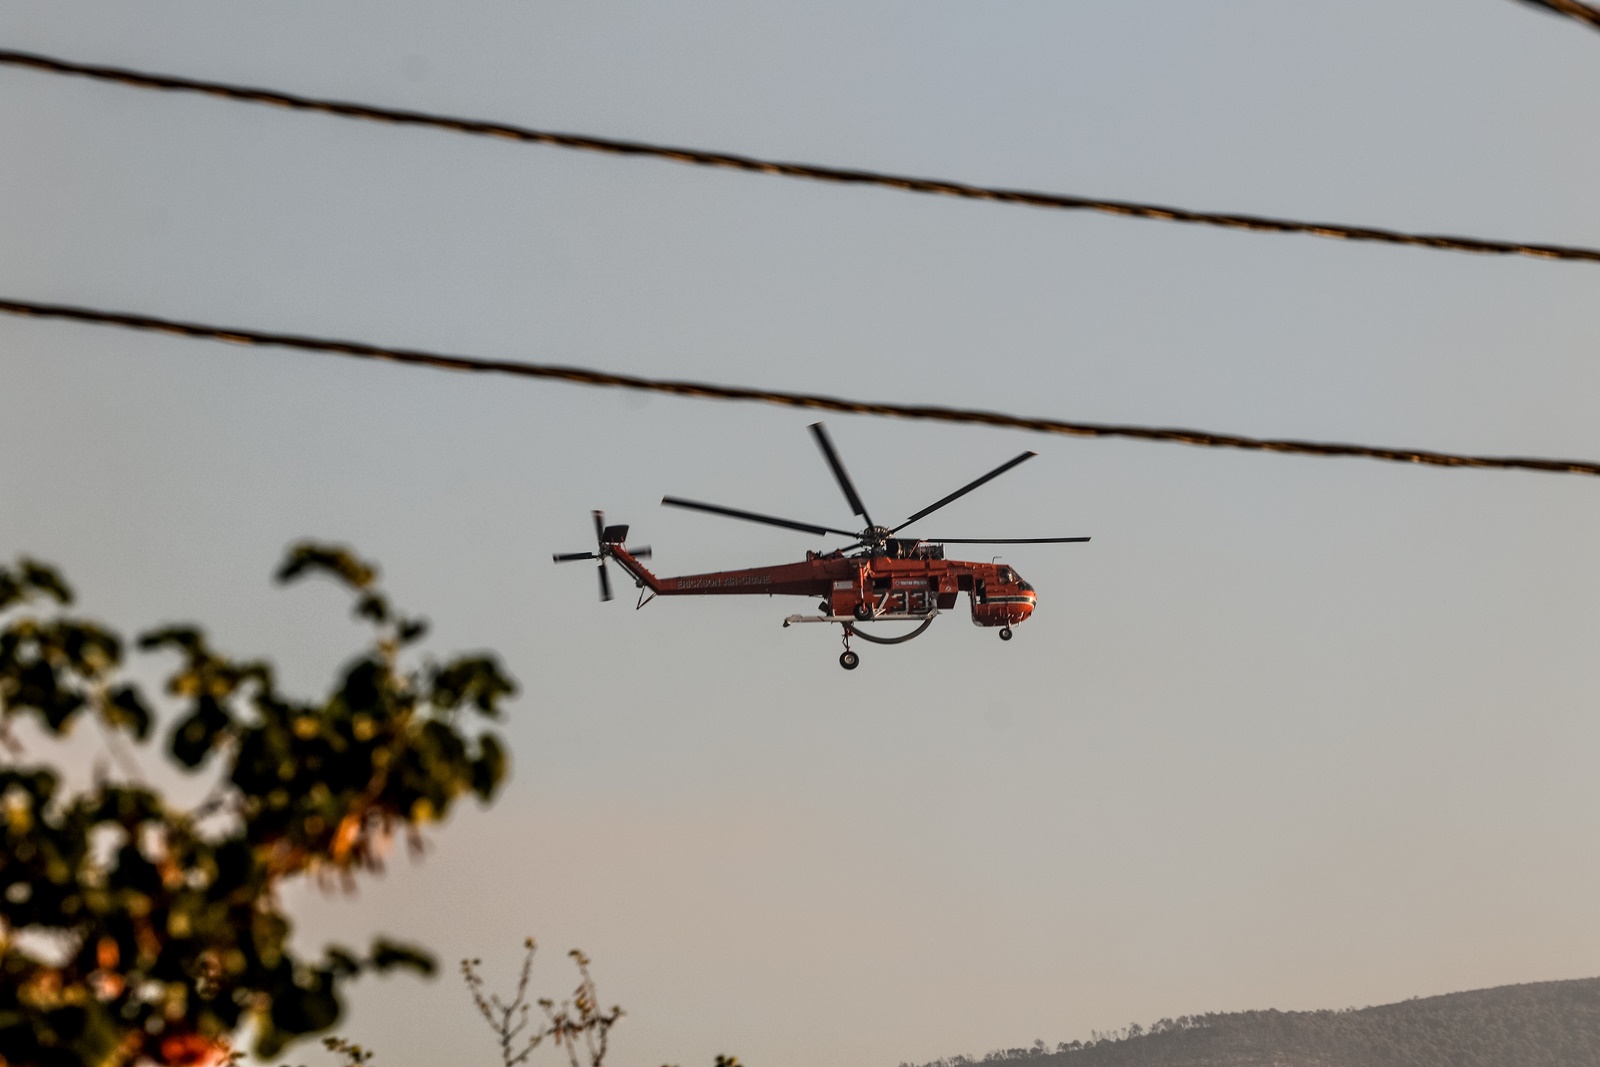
<point>849,660</point>
<point>863,612</point>
<point>1005,633</point>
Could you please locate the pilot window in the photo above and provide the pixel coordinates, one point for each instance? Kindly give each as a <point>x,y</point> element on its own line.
<point>1011,577</point>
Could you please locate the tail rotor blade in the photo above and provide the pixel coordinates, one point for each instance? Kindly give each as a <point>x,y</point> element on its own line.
<point>600,526</point>
<point>605,582</point>
<point>642,552</point>
<point>828,453</point>
<point>568,557</point>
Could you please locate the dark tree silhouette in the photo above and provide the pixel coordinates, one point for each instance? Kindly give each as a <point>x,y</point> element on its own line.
<point>136,930</point>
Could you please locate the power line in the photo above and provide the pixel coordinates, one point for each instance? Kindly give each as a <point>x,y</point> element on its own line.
<point>813,172</point>
<point>1573,9</point>
<point>703,390</point>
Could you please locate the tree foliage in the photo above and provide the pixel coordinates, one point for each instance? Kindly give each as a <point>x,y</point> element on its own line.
<point>136,930</point>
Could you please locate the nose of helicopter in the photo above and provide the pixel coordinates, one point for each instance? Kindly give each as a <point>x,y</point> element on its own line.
<point>1005,610</point>
<point>1023,606</point>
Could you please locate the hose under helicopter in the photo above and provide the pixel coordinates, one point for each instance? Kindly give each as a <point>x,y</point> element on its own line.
<point>850,630</point>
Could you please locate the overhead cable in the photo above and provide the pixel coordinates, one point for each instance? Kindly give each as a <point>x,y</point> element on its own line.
<point>1573,9</point>
<point>703,390</point>
<point>813,172</point>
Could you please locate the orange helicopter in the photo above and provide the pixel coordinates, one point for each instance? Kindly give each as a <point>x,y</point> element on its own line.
<point>878,578</point>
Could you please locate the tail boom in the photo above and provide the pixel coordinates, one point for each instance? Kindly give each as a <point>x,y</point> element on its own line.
<point>789,579</point>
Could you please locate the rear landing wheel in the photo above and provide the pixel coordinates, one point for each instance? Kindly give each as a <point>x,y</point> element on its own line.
<point>1005,633</point>
<point>849,660</point>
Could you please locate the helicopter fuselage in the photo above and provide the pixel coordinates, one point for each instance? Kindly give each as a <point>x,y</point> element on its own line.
<point>875,577</point>
<point>900,582</point>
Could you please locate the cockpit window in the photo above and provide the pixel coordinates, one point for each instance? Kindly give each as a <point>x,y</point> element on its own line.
<point>1010,577</point>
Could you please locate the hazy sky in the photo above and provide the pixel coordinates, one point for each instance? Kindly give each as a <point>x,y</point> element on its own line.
<point>1288,733</point>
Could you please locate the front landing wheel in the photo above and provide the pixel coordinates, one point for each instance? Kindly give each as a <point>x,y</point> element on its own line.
<point>849,660</point>
<point>1005,633</point>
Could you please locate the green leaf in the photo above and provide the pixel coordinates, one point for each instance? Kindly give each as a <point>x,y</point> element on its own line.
<point>336,561</point>
<point>391,955</point>
<point>91,650</point>
<point>489,769</point>
<point>36,685</point>
<point>342,961</point>
<point>477,680</point>
<point>198,732</point>
<point>364,685</point>
<point>44,579</point>
<point>296,1011</point>
<point>373,606</point>
<point>186,639</point>
<point>412,630</point>
<point>126,708</point>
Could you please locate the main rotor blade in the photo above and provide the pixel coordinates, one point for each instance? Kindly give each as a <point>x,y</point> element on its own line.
<point>821,434</point>
<point>568,557</point>
<point>965,489</point>
<point>1001,540</point>
<point>750,516</point>
<point>605,583</point>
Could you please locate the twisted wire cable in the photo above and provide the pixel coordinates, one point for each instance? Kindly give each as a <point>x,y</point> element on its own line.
<point>705,390</point>
<point>813,172</point>
<point>1573,9</point>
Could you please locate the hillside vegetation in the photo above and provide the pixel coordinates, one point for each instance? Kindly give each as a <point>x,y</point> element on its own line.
<point>1544,1024</point>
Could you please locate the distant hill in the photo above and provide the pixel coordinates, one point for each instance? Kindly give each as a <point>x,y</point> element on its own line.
<point>1543,1024</point>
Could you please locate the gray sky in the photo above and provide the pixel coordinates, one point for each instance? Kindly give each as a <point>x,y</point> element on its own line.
<point>1289,732</point>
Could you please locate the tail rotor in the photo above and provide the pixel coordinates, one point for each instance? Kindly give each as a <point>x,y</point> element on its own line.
<point>608,539</point>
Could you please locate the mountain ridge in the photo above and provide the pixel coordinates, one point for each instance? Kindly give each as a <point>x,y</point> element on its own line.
<point>1534,1024</point>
